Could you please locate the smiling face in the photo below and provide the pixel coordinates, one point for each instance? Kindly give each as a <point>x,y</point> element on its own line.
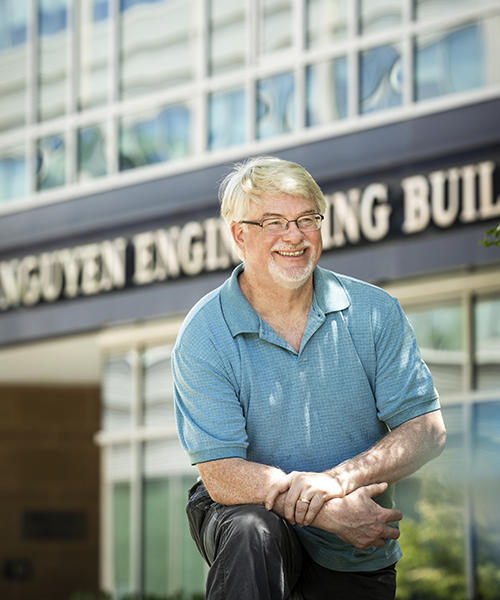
<point>286,259</point>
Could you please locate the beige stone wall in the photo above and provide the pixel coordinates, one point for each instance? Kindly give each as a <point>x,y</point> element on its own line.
<point>49,462</point>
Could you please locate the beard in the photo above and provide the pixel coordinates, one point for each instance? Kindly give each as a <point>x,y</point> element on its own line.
<point>291,277</point>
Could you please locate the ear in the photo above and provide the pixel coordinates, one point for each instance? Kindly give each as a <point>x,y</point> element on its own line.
<point>238,235</point>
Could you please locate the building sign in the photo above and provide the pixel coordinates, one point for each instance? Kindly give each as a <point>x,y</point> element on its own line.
<point>442,198</point>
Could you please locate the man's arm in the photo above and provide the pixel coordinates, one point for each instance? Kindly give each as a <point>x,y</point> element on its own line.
<point>398,454</point>
<point>356,518</point>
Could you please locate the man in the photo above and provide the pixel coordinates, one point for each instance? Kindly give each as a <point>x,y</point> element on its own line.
<point>300,395</point>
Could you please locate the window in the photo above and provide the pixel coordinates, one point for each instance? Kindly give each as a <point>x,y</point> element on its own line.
<point>326,91</point>
<point>451,511</point>
<point>380,78</point>
<point>13,174</point>
<point>53,51</point>
<point>275,105</point>
<point>146,475</point>
<point>227,119</point>
<point>91,148</point>
<point>157,45</point>
<point>275,25</point>
<point>51,162</point>
<point>227,33</point>
<point>377,15</point>
<point>13,55</point>
<point>154,138</point>
<point>326,22</point>
<point>94,28</point>
<point>145,82</point>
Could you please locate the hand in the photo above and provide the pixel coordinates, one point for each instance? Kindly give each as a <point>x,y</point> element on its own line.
<point>358,520</point>
<point>307,492</point>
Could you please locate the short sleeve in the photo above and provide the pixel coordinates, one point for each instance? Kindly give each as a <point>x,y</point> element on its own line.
<point>209,416</point>
<point>403,384</point>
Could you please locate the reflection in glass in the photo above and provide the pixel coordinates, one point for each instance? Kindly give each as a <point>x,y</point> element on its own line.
<point>275,105</point>
<point>156,536</point>
<point>51,162</point>
<point>13,174</point>
<point>275,25</point>
<point>93,52</point>
<point>155,137</point>
<point>117,393</point>
<point>377,15</point>
<point>226,114</point>
<point>121,538</point>
<point>326,91</point>
<point>13,22</point>
<point>170,558</point>
<point>157,45</point>
<point>457,60</point>
<point>326,22</point>
<point>430,9</point>
<point>433,528</point>
<point>487,343</point>
<point>485,490</point>
<point>158,387</point>
<point>380,78</point>
<point>52,58</point>
<point>91,158</point>
<point>226,35</point>
<point>440,334</point>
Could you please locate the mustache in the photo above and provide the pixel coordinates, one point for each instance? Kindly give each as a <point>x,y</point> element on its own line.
<point>291,247</point>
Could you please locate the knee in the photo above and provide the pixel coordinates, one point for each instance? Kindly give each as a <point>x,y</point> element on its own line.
<point>253,523</point>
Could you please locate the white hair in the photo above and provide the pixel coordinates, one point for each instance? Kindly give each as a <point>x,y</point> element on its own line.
<point>265,175</point>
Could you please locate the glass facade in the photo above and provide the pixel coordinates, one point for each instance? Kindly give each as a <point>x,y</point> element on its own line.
<point>169,79</point>
<point>146,479</point>
<point>451,510</point>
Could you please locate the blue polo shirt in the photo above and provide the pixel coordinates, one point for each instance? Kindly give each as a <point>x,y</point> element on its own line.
<point>242,391</point>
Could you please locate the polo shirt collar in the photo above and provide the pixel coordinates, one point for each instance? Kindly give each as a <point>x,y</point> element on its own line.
<point>329,296</point>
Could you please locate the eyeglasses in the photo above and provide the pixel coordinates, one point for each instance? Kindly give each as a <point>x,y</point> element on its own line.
<point>280,224</point>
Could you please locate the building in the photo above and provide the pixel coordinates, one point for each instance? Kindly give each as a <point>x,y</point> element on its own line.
<point>118,119</point>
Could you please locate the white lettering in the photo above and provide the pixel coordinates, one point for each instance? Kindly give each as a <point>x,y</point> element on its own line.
<point>167,261</point>
<point>375,217</point>
<point>444,215</point>
<point>468,214</point>
<point>89,255</point>
<point>10,284</point>
<point>29,280</point>
<point>144,271</point>
<point>416,203</point>
<point>488,208</point>
<point>51,276</point>
<point>190,248</point>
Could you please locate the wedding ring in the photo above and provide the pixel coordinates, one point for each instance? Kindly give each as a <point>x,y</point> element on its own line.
<point>305,500</point>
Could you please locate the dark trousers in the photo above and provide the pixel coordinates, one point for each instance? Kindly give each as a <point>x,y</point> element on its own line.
<point>254,554</point>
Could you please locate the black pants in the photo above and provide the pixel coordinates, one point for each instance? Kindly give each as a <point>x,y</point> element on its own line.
<point>254,554</point>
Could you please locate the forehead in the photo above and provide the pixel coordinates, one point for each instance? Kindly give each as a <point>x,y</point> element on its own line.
<point>282,204</point>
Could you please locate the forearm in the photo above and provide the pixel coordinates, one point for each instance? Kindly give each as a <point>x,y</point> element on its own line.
<point>399,454</point>
<point>237,481</point>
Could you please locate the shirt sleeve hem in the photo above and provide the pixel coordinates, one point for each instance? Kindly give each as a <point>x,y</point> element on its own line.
<point>423,408</point>
<point>202,456</point>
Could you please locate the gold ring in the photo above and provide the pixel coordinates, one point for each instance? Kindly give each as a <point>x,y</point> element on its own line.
<point>305,500</point>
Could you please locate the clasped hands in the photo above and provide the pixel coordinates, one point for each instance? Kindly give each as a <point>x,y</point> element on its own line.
<point>353,517</point>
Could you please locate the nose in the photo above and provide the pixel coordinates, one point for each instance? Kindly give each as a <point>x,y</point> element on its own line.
<point>292,232</point>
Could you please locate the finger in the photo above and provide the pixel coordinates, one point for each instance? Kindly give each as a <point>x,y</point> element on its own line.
<point>390,533</point>
<point>375,489</point>
<point>391,515</point>
<point>275,490</point>
<point>314,507</point>
<point>379,543</point>
<point>302,509</point>
<point>295,492</point>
